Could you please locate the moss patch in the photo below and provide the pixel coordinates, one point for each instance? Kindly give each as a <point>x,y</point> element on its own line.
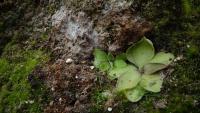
<point>16,90</point>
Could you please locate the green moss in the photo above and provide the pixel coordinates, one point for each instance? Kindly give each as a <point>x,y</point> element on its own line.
<point>175,103</point>
<point>16,89</point>
<point>187,7</point>
<point>98,94</point>
<point>98,102</point>
<point>19,58</point>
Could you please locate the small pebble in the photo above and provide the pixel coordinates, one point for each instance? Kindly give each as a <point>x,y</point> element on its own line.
<point>83,62</point>
<point>60,99</point>
<point>91,67</point>
<point>76,77</point>
<point>51,103</point>
<point>69,60</point>
<point>178,58</point>
<point>109,109</point>
<point>52,89</point>
<point>188,46</point>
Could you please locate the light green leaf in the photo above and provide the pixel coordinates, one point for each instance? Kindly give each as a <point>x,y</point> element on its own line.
<point>99,57</point>
<point>135,94</point>
<point>160,61</point>
<point>102,60</point>
<point>153,67</point>
<point>104,66</point>
<point>128,79</point>
<point>116,73</point>
<point>118,69</point>
<point>152,83</point>
<point>141,52</point>
<point>119,63</point>
<point>163,58</point>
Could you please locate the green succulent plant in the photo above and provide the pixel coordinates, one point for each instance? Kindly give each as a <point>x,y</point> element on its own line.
<point>137,71</point>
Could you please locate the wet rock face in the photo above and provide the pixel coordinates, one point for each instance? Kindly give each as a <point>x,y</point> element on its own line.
<point>112,28</point>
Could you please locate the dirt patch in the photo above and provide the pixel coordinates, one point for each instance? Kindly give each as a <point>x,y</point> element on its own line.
<point>70,87</point>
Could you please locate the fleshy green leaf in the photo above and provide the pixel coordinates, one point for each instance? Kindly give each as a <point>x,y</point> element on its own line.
<point>104,66</point>
<point>129,79</point>
<point>152,83</point>
<point>163,58</point>
<point>119,63</point>
<point>102,60</point>
<point>153,67</point>
<point>135,94</point>
<point>141,52</point>
<point>120,67</point>
<point>160,61</point>
<point>99,57</point>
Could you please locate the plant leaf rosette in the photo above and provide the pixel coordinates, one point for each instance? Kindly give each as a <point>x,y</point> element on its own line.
<point>137,71</point>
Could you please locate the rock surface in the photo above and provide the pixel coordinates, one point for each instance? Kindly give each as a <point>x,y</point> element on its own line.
<point>112,28</point>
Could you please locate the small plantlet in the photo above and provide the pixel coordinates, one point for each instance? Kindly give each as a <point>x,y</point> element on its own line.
<point>137,71</point>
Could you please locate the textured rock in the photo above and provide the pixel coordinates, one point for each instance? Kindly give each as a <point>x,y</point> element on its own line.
<point>112,27</point>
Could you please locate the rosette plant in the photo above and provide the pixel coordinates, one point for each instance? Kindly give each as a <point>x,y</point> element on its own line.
<point>137,71</point>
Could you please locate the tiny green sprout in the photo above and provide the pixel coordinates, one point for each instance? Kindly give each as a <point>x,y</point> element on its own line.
<point>137,71</point>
